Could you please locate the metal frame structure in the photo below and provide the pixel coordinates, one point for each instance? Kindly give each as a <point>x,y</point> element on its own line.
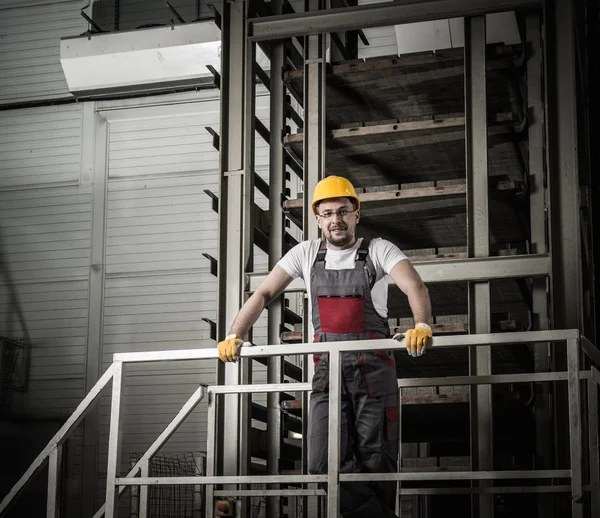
<point>553,262</point>
<point>577,473</point>
<point>552,267</point>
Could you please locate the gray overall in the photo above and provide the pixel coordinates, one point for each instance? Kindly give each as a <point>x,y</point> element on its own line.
<point>342,310</point>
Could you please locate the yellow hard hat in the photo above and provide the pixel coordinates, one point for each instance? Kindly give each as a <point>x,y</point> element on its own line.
<point>334,187</point>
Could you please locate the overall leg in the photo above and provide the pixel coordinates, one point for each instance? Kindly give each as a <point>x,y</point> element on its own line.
<point>376,446</point>
<point>375,404</point>
<point>318,434</point>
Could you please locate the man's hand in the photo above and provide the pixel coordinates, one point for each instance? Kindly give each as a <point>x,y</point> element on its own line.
<point>228,348</point>
<point>417,339</point>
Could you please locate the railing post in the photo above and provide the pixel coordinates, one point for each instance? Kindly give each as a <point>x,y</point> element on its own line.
<point>114,441</point>
<point>575,439</point>
<point>211,429</point>
<point>333,461</point>
<point>144,490</point>
<point>134,498</point>
<point>200,470</point>
<point>54,475</point>
<point>399,469</point>
<point>593,445</point>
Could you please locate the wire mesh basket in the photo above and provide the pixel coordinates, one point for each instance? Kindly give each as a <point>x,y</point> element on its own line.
<point>13,363</point>
<point>178,501</point>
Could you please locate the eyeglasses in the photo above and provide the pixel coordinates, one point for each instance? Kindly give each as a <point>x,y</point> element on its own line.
<point>341,213</point>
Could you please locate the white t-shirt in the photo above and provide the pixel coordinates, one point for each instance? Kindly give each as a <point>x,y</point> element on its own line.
<point>385,255</point>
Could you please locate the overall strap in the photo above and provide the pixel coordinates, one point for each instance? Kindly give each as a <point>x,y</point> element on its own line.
<point>363,250</point>
<point>322,252</point>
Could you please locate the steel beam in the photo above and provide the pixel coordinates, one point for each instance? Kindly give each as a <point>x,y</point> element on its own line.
<point>379,15</point>
<point>538,242</point>
<point>563,185</point>
<point>94,171</point>
<point>235,225</point>
<point>563,163</point>
<point>275,315</point>
<point>313,172</point>
<point>461,270</point>
<point>478,241</point>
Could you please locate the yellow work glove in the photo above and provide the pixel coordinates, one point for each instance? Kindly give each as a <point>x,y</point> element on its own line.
<point>228,348</point>
<point>417,339</point>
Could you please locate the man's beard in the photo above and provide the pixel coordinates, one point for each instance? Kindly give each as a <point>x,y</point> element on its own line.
<point>348,239</point>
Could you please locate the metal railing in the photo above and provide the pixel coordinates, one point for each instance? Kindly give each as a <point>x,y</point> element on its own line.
<point>139,474</point>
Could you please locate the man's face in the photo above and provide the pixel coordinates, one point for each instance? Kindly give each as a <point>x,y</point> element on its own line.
<point>337,218</point>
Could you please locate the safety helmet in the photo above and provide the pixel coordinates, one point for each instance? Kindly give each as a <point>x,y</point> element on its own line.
<point>333,187</point>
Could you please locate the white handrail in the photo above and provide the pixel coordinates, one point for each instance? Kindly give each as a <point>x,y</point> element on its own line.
<point>59,438</point>
<point>521,337</point>
<point>334,348</point>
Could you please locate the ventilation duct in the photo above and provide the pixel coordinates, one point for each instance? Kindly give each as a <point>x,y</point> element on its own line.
<point>157,58</point>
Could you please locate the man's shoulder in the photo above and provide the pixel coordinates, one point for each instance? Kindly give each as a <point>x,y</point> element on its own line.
<point>307,246</point>
<point>377,242</point>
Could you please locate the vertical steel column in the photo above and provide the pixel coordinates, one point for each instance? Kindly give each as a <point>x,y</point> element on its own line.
<point>575,428</point>
<point>95,141</point>
<point>563,183</point>
<point>537,209</point>
<point>245,412</point>
<point>235,225</point>
<point>563,164</point>
<point>478,245</point>
<point>314,124</point>
<point>277,173</point>
<point>314,170</point>
<point>114,441</point>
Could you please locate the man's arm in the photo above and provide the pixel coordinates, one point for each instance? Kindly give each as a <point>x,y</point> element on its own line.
<point>273,285</point>
<point>410,282</point>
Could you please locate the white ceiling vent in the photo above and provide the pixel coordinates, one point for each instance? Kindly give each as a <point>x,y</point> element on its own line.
<point>141,60</point>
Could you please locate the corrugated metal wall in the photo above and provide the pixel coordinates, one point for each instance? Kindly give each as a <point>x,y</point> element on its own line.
<point>30,51</point>
<point>382,40</point>
<point>45,243</point>
<point>135,14</point>
<point>45,233</point>
<point>158,285</point>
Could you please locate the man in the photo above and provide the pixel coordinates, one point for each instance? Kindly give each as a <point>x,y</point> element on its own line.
<point>346,281</point>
